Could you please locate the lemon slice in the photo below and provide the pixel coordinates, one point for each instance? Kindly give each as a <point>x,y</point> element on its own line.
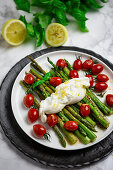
<point>56,34</point>
<point>14,32</point>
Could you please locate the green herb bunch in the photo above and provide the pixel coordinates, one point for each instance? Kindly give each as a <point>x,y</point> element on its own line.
<point>55,9</point>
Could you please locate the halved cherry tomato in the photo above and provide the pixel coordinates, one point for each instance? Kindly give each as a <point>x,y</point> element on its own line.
<point>52,120</point>
<point>61,62</point>
<point>88,64</point>
<point>73,74</point>
<point>97,68</point>
<point>33,115</point>
<point>55,81</point>
<point>71,125</point>
<point>39,130</point>
<point>102,78</point>
<point>109,100</point>
<point>90,79</point>
<point>84,110</point>
<point>29,79</point>
<point>28,100</point>
<point>101,86</point>
<point>77,64</point>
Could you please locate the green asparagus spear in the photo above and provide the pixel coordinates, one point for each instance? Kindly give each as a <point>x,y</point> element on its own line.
<point>96,114</point>
<point>37,65</point>
<point>68,65</point>
<point>60,136</point>
<point>83,120</point>
<point>106,110</point>
<point>82,131</point>
<point>87,118</point>
<point>56,69</point>
<point>81,137</point>
<point>71,138</point>
<point>90,134</point>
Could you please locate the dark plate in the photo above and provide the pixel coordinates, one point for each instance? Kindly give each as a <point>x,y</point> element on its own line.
<point>36,151</point>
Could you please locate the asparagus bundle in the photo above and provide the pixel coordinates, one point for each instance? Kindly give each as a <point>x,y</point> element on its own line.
<point>88,131</point>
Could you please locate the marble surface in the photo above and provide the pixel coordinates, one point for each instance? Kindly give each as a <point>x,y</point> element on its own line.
<point>98,39</point>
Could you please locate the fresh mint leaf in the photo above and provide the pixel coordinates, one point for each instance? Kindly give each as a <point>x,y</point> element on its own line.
<point>23,5</point>
<point>60,16</point>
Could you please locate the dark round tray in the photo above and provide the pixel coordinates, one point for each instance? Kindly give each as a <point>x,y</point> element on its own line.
<point>34,150</point>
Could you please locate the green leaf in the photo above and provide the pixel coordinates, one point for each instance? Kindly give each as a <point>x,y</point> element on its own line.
<point>75,3</point>
<point>78,14</point>
<point>59,4</point>
<point>60,16</point>
<point>23,5</point>
<point>92,4</point>
<point>40,34</point>
<point>69,5</point>
<point>45,78</point>
<point>43,20</point>
<point>23,19</point>
<point>30,30</point>
<point>41,3</point>
<point>29,27</point>
<point>84,8</point>
<point>82,26</point>
<point>103,1</point>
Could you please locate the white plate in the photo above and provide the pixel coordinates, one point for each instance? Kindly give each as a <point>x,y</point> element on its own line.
<point>20,111</point>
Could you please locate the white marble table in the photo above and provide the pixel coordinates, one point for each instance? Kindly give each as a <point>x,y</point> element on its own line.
<point>98,39</point>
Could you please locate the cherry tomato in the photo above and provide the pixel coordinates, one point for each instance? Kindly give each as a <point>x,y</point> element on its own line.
<point>33,115</point>
<point>28,100</point>
<point>102,78</point>
<point>77,64</point>
<point>101,86</point>
<point>52,120</point>
<point>71,125</point>
<point>55,81</point>
<point>73,74</point>
<point>61,62</point>
<point>88,64</point>
<point>90,79</point>
<point>84,110</point>
<point>97,68</point>
<point>39,130</point>
<point>29,79</point>
<point>109,100</point>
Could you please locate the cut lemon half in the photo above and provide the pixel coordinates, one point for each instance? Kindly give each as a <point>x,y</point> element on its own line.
<point>14,32</point>
<point>56,34</point>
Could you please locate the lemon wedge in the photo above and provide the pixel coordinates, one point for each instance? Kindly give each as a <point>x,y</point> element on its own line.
<point>56,34</point>
<point>14,32</point>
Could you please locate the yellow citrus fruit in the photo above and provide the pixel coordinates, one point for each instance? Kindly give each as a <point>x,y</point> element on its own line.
<point>14,32</point>
<point>56,34</point>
